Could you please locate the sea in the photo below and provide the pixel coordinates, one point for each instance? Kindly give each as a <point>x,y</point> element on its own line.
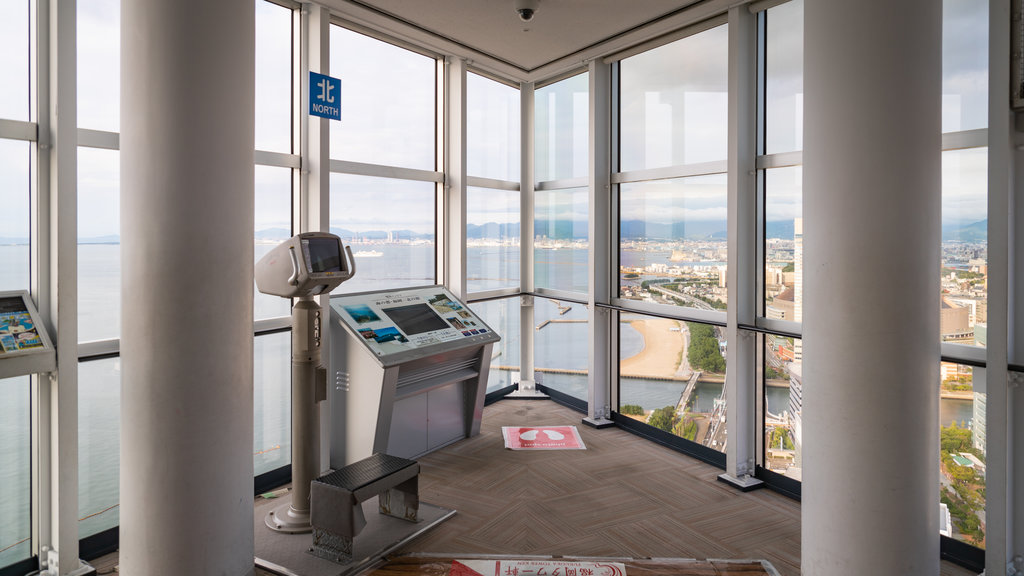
<point>560,344</point>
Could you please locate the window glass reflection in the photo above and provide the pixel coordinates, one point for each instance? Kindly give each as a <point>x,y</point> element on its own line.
<point>492,129</point>
<point>389,96</point>
<point>964,65</point>
<point>273,77</point>
<point>674,103</point>
<point>99,69</point>
<point>562,125</point>
<point>14,60</point>
<point>784,78</point>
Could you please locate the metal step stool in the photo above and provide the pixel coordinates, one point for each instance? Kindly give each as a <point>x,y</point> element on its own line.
<point>336,511</point>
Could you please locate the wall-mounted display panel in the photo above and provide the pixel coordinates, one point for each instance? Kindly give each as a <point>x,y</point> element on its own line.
<point>25,347</point>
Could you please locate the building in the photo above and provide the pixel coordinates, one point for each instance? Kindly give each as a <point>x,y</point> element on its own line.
<point>458,116</point>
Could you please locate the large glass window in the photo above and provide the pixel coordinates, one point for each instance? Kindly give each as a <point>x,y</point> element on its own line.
<point>784,78</point>
<point>561,214</point>
<point>15,471</point>
<point>389,118</point>
<point>964,65</point>
<point>783,243</point>
<point>674,103</point>
<point>99,70</point>
<point>99,441</point>
<point>561,346</point>
<point>962,449</point>
<point>673,244</point>
<point>492,239</point>
<point>272,413</point>
<point>964,300</point>
<point>273,77</point>
<point>492,129</point>
<point>389,224</point>
<point>273,215</point>
<point>560,244</point>
<point>672,377</point>
<point>14,217</point>
<point>99,244</point>
<point>14,60</point>
<point>503,316</point>
<point>388,97</point>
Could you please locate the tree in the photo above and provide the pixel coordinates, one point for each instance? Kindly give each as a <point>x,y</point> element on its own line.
<point>662,418</point>
<point>961,474</point>
<point>955,439</point>
<point>686,428</point>
<point>631,410</point>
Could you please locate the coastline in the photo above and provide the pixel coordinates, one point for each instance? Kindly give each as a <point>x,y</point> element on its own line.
<point>661,349</point>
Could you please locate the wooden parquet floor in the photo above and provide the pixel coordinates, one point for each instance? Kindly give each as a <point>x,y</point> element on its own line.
<point>623,497</point>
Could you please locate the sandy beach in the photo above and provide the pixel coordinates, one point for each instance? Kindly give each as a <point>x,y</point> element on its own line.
<point>661,351</point>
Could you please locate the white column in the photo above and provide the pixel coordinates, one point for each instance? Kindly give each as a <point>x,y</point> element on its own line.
<point>527,382</point>
<point>187,109</point>
<point>454,206</point>
<point>1003,496</point>
<point>742,272</point>
<point>599,257</point>
<point>55,285</point>
<point>872,201</point>
<point>314,190</point>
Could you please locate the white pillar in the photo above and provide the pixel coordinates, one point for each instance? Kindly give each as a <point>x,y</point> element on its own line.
<point>599,257</point>
<point>187,109</point>
<point>741,363</point>
<point>871,294</point>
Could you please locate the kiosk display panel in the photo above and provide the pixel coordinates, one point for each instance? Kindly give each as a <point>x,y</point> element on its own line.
<point>408,372</point>
<point>401,325</point>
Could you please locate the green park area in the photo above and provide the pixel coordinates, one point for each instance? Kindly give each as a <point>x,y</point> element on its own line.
<point>965,493</point>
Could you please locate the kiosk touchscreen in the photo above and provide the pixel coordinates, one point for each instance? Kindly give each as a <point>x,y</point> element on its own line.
<point>408,372</point>
<point>25,347</point>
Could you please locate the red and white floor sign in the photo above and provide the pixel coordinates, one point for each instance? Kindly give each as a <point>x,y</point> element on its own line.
<point>542,438</point>
<point>535,568</point>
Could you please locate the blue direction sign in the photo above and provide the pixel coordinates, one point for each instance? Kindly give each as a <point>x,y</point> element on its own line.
<point>324,96</point>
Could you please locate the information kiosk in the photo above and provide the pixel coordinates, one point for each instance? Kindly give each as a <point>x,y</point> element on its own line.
<point>408,372</point>
<point>25,347</point>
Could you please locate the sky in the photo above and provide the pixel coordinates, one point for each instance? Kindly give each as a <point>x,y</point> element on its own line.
<point>388,115</point>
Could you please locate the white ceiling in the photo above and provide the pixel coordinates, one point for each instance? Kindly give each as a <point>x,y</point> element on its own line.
<point>559,29</point>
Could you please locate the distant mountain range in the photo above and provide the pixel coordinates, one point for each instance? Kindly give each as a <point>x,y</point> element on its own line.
<point>974,232</point>
<point>569,230</point>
